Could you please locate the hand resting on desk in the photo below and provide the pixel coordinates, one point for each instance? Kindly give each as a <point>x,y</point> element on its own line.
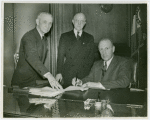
<point>52,81</point>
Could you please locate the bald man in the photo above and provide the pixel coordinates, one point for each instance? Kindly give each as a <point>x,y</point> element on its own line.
<point>110,72</point>
<point>75,52</point>
<point>32,53</point>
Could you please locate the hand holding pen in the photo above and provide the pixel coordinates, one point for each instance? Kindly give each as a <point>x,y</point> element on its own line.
<point>76,82</point>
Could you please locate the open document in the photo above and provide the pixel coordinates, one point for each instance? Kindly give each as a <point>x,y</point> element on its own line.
<point>49,92</point>
<point>45,91</point>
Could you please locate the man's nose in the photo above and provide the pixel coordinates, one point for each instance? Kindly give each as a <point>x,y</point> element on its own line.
<point>48,25</point>
<point>104,52</point>
<point>79,22</point>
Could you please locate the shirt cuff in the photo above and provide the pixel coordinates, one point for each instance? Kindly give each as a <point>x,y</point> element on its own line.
<point>101,86</point>
<point>46,74</point>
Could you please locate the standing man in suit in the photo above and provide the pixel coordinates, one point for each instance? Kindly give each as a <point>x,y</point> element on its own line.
<point>32,53</point>
<point>110,72</point>
<point>75,52</point>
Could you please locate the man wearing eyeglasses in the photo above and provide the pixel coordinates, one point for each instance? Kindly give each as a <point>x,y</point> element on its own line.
<point>75,52</point>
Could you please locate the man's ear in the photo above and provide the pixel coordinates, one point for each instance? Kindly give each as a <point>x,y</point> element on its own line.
<point>37,21</point>
<point>84,24</point>
<point>73,21</point>
<point>113,49</point>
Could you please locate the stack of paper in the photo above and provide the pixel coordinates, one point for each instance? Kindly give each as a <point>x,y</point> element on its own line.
<point>45,91</point>
<point>41,100</point>
<point>48,103</point>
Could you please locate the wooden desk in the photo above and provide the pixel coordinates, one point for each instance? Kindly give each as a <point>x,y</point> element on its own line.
<point>71,104</point>
<point>119,99</point>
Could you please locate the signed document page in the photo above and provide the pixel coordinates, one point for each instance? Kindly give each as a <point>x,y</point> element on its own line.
<point>71,88</point>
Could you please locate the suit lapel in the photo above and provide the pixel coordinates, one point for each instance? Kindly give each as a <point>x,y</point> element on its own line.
<point>38,42</point>
<point>110,67</point>
<point>78,45</point>
<point>74,45</point>
<point>45,50</point>
<point>99,71</point>
<point>83,39</point>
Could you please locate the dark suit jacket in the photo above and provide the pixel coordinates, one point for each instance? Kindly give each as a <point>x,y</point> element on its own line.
<point>32,54</point>
<point>78,55</point>
<point>118,74</point>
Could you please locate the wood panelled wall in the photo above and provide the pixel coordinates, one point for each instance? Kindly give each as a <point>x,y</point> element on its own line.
<point>113,24</point>
<point>8,44</point>
<point>24,19</point>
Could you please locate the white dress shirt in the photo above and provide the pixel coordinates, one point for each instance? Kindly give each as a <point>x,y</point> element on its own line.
<point>75,32</point>
<point>108,62</point>
<point>40,33</point>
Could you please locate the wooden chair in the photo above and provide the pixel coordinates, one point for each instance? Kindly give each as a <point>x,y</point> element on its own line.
<point>133,84</point>
<point>16,58</point>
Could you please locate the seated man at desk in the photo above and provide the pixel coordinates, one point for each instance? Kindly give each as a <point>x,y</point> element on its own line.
<point>110,72</point>
<point>33,49</point>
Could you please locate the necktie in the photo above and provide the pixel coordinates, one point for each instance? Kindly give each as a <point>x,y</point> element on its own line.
<point>104,69</point>
<point>78,37</point>
<point>43,48</point>
<point>43,41</point>
<point>43,38</point>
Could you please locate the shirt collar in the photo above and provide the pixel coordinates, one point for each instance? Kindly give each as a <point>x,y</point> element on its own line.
<point>39,32</point>
<point>109,61</point>
<point>75,32</point>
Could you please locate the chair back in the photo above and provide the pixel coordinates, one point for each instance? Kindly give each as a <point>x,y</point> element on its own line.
<point>16,58</point>
<point>134,74</point>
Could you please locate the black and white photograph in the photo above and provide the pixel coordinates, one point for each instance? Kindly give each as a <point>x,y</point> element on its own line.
<point>74,59</point>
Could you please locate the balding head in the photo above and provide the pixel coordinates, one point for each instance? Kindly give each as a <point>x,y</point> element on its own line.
<point>79,21</point>
<point>41,14</point>
<point>106,49</point>
<point>80,16</point>
<point>106,39</point>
